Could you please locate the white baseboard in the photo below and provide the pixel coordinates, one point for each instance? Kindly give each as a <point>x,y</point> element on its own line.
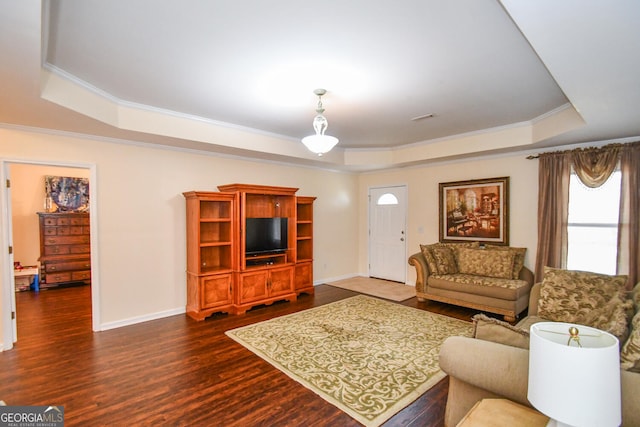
<point>140,319</point>
<point>334,279</point>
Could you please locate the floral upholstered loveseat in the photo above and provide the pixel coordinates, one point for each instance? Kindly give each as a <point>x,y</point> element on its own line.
<point>495,363</point>
<point>488,278</point>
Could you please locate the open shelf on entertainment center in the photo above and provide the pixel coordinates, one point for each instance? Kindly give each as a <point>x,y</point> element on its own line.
<point>265,259</point>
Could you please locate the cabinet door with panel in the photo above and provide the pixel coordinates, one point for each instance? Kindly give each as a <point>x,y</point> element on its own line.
<point>280,281</point>
<point>303,278</point>
<point>252,286</point>
<point>209,294</point>
<point>264,286</point>
<point>216,290</point>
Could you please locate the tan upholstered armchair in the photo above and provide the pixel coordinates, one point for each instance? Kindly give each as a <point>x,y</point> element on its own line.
<point>494,367</point>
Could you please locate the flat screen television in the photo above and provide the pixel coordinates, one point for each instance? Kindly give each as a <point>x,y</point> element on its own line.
<point>265,235</point>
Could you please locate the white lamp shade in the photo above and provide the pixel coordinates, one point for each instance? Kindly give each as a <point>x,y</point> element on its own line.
<point>577,386</point>
<point>320,144</point>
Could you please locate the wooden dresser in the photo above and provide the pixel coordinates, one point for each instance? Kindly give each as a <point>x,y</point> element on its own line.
<point>65,250</point>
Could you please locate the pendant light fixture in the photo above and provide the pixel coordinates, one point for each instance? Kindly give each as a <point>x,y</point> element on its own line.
<point>320,143</point>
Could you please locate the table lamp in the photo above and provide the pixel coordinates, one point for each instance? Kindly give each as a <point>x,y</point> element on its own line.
<point>574,375</point>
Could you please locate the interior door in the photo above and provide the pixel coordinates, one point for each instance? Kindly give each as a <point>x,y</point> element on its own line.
<point>387,235</point>
<point>8,228</point>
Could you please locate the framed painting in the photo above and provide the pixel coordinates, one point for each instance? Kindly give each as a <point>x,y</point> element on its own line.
<point>66,194</point>
<point>476,210</point>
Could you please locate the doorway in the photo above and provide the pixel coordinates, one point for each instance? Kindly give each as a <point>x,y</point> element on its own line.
<point>22,198</point>
<point>387,233</point>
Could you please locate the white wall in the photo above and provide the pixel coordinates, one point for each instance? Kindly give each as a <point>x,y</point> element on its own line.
<point>422,183</point>
<point>141,213</point>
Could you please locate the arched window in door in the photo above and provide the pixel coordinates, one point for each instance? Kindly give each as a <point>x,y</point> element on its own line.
<point>387,199</point>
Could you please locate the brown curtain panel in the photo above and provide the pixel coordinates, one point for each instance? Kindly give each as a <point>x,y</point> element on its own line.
<point>554,170</point>
<point>628,228</point>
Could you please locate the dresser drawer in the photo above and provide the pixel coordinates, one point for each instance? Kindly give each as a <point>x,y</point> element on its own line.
<point>72,230</point>
<point>68,276</point>
<point>67,250</point>
<point>79,249</point>
<point>56,250</point>
<point>53,267</point>
<point>76,221</point>
<point>50,231</point>
<point>78,230</point>
<point>66,240</point>
<point>81,275</point>
<point>50,221</point>
<point>57,278</point>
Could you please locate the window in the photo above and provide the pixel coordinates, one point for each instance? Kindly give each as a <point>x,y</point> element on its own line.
<point>387,199</point>
<point>593,225</point>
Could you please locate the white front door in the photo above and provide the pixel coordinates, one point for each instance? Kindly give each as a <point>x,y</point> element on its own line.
<point>387,235</point>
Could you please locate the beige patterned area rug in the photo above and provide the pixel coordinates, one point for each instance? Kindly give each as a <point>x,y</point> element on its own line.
<point>368,357</point>
<point>386,289</point>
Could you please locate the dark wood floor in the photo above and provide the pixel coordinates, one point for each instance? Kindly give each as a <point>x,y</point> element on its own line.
<point>173,371</point>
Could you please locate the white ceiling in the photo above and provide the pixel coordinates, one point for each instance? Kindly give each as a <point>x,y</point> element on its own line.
<point>237,77</point>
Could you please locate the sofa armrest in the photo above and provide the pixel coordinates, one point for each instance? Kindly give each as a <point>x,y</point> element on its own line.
<point>526,275</point>
<point>500,369</point>
<point>534,296</point>
<point>422,271</point>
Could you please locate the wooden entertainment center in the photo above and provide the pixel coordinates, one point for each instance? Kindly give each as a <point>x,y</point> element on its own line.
<point>221,276</point>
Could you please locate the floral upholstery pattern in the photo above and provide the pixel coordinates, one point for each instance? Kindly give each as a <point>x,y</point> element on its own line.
<point>630,355</point>
<point>518,258</point>
<point>482,280</point>
<point>586,298</point>
<point>445,260</point>
<point>428,256</point>
<point>635,297</point>
<point>488,263</point>
<point>445,264</point>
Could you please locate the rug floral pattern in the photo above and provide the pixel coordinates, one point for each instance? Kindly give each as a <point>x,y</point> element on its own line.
<point>368,357</point>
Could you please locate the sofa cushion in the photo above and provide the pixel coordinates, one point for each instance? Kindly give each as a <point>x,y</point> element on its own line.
<point>445,260</point>
<point>518,257</point>
<point>630,354</point>
<point>585,298</point>
<point>488,263</point>
<point>490,329</point>
<point>445,265</point>
<point>613,317</point>
<point>507,289</point>
<point>428,256</point>
<point>635,296</point>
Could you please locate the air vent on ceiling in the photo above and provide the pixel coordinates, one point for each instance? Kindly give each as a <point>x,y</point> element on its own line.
<point>424,116</point>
